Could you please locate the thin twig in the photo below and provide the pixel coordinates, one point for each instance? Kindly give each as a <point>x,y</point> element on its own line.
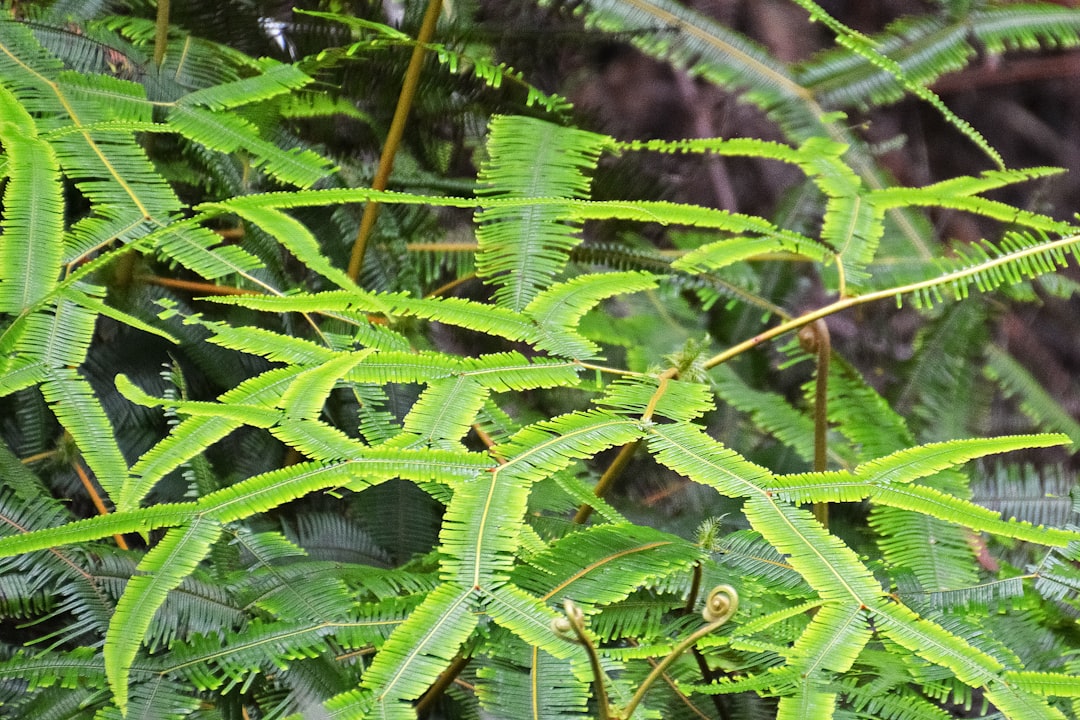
<point>393,137</point>
<point>161,31</point>
<point>95,498</point>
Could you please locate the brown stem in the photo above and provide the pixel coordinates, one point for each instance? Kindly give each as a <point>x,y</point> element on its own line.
<point>572,627</point>
<point>607,479</point>
<point>445,679</point>
<point>194,286</point>
<point>815,338</point>
<point>728,600</point>
<point>95,497</point>
<point>603,485</point>
<point>707,673</point>
<point>393,137</point>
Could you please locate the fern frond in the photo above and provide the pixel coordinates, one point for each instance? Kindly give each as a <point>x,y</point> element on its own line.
<point>378,36</point>
<point>231,134</point>
<point>33,211</point>
<point>173,558</point>
<point>988,266</point>
<point>417,651</point>
<point>682,401</point>
<point>689,451</point>
<point>542,685</point>
<point>445,411</point>
<point>865,47</point>
<point>77,408</point>
<point>722,253</point>
<point>707,49</point>
<point>970,665</point>
<point>746,551</point>
<point>604,564</point>
<point>1035,402</point>
<point>959,194</point>
<point>520,251</point>
<point>770,412</point>
<point>931,45</point>
<point>529,618</point>
<point>557,309</point>
<point>481,526</point>
<point>828,565</point>
<point>269,490</point>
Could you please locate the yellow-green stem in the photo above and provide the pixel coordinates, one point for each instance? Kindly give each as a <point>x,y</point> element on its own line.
<point>957,276</point>
<point>815,338</point>
<point>161,31</point>
<point>686,644</point>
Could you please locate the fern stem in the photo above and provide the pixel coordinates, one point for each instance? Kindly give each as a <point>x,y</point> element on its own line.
<point>815,338</point>
<point>95,498</point>
<point>443,289</point>
<point>194,286</point>
<point>573,620</point>
<point>731,600</point>
<point>393,137</point>
<point>445,679</point>
<point>161,31</point>
<point>603,485</point>
<point>37,457</point>
<point>603,369</point>
<point>957,278</point>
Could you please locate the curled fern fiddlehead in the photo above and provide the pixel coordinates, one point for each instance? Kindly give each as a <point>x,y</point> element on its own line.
<point>720,605</point>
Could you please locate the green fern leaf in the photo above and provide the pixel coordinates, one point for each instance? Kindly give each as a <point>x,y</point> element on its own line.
<point>230,134</point>
<point>928,501</point>
<point>902,467</point>
<point>542,687</point>
<point>316,439</point>
<point>1033,399</point>
<point>274,80</point>
<point>770,412</point>
<point>164,566</point>
<point>828,565</point>
<point>809,704</point>
<point>277,487</point>
<point>689,451</point>
<point>1045,683</point>
<point>861,45</point>
<point>274,346</point>
<point>418,650</point>
<point>718,255</point>
<point>680,400</point>
<point>33,211</point>
<point>911,464</point>
<point>557,309</point>
<point>521,250</point>
<point>445,411</point>
<point>604,564</point>
<point>78,409</point>
<point>306,395</point>
<point>707,49</point>
<point>529,618</point>
<point>512,372</point>
<point>831,642</point>
<point>294,237</point>
<point>201,250</point>
<point>481,526</point>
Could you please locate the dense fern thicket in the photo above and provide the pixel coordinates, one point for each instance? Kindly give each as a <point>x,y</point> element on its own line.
<point>312,407</point>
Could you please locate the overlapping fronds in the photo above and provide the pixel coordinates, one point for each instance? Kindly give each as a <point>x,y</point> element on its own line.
<point>333,500</point>
<point>521,251</point>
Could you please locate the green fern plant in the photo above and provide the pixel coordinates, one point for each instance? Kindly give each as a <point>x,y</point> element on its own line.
<point>275,592</point>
